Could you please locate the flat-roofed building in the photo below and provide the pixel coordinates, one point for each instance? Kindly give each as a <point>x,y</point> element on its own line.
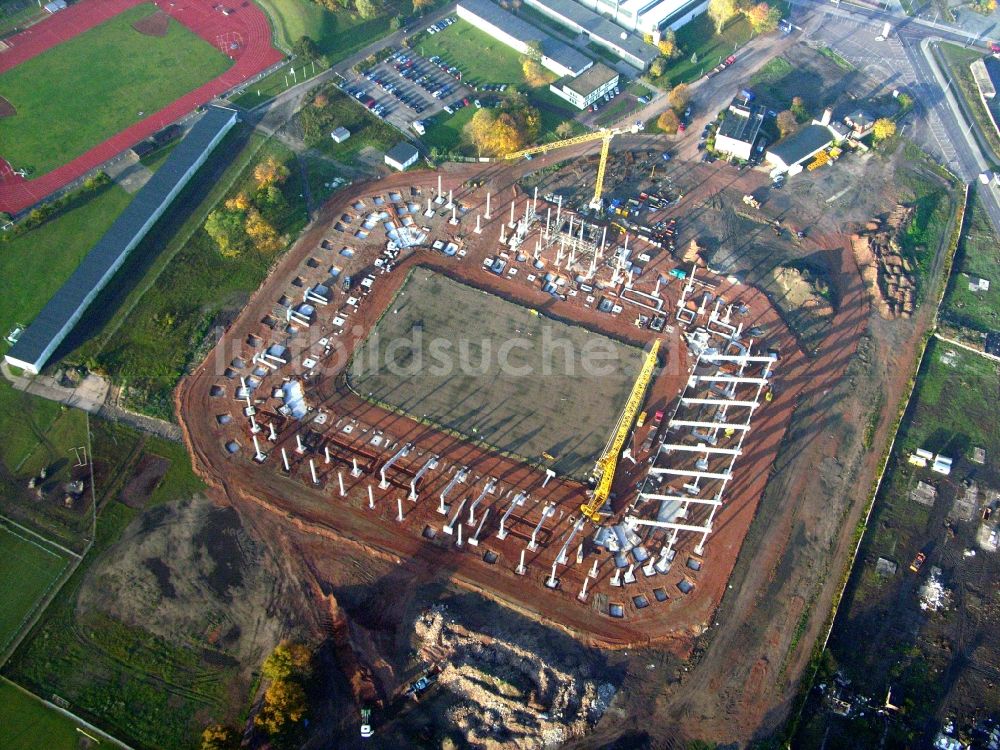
<point>740,128</point>
<point>626,45</point>
<point>588,87</point>
<point>36,345</point>
<point>648,16</point>
<point>518,34</point>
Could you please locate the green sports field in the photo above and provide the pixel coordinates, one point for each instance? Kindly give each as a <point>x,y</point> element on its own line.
<point>28,567</point>
<point>26,723</point>
<point>81,92</point>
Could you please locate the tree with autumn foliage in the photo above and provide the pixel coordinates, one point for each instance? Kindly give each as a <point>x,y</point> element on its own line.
<point>679,96</point>
<point>763,18</point>
<point>884,128</point>
<point>288,659</point>
<point>668,122</point>
<point>219,737</point>
<point>270,172</point>
<point>225,227</point>
<point>668,45</point>
<point>786,122</point>
<point>503,131</point>
<point>284,705</point>
<point>534,74</point>
<point>721,12</point>
<point>420,6</point>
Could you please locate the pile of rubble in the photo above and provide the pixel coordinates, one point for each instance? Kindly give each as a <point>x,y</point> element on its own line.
<point>508,696</point>
<point>934,597</point>
<point>886,272</point>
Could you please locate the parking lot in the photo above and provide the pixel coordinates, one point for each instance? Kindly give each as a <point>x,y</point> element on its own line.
<point>407,87</point>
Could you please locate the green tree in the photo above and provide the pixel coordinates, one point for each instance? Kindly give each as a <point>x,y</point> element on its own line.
<point>288,659</point>
<point>367,8</point>
<point>225,227</point>
<point>306,48</point>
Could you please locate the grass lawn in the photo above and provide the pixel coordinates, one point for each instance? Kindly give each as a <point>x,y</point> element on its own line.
<point>934,204</point>
<point>508,397</point>
<point>880,636</point>
<point>366,129</point>
<point>956,61</point>
<point>27,724</point>
<point>28,568</point>
<point>35,264</point>
<point>79,93</point>
<point>283,78</point>
<point>979,257</point>
<point>41,434</point>
<point>445,131</point>
<point>480,57</point>
<point>698,37</point>
<point>120,676</point>
<point>180,285</point>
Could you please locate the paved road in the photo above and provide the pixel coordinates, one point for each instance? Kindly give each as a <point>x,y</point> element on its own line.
<point>906,60</point>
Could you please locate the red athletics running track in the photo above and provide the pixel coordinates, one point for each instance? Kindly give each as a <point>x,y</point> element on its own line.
<point>245,24</point>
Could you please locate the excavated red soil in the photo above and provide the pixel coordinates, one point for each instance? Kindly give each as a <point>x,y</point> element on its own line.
<point>6,108</point>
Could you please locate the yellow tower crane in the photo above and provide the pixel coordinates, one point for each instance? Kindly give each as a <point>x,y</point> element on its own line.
<point>605,135</point>
<point>608,462</point>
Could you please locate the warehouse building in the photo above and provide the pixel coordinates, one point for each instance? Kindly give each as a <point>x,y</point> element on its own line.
<point>61,313</point>
<point>517,33</point>
<point>627,46</point>
<point>790,153</point>
<point>588,87</point>
<point>739,130</point>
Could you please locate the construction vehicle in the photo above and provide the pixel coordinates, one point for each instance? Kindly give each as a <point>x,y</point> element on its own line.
<point>366,724</point>
<point>605,135</point>
<point>918,562</point>
<point>606,465</point>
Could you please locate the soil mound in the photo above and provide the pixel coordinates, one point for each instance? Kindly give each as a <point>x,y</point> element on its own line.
<point>153,25</point>
<point>6,108</point>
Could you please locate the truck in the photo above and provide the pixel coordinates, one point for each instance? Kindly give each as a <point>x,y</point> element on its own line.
<point>918,562</point>
<point>418,127</point>
<point>886,28</point>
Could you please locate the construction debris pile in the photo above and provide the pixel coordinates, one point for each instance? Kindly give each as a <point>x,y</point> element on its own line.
<point>508,696</point>
<point>888,275</point>
<point>934,597</point>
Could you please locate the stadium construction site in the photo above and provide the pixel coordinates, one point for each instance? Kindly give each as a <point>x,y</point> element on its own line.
<point>318,404</point>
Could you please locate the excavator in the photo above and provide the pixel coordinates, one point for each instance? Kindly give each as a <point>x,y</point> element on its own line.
<point>606,465</point>
<point>605,135</point>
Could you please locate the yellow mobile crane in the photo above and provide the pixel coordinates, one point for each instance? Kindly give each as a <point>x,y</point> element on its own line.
<point>608,462</point>
<point>605,135</point>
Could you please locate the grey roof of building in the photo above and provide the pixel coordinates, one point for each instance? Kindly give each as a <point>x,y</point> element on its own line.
<point>61,308</point>
<point>740,128</point>
<point>523,31</point>
<point>588,82</point>
<point>601,28</point>
<point>402,152</point>
<point>798,146</point>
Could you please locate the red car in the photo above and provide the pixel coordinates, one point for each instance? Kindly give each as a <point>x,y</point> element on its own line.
<point>995,47</point>
<point>730,60</point>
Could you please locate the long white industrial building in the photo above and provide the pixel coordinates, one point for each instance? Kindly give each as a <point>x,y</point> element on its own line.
<point>64,310</point>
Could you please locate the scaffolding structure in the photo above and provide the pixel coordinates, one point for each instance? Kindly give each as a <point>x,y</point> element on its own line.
<point>685,484</point>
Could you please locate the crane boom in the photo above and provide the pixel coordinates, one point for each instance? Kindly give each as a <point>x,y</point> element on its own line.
<point>605,135</point>
<point>608,462</point>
